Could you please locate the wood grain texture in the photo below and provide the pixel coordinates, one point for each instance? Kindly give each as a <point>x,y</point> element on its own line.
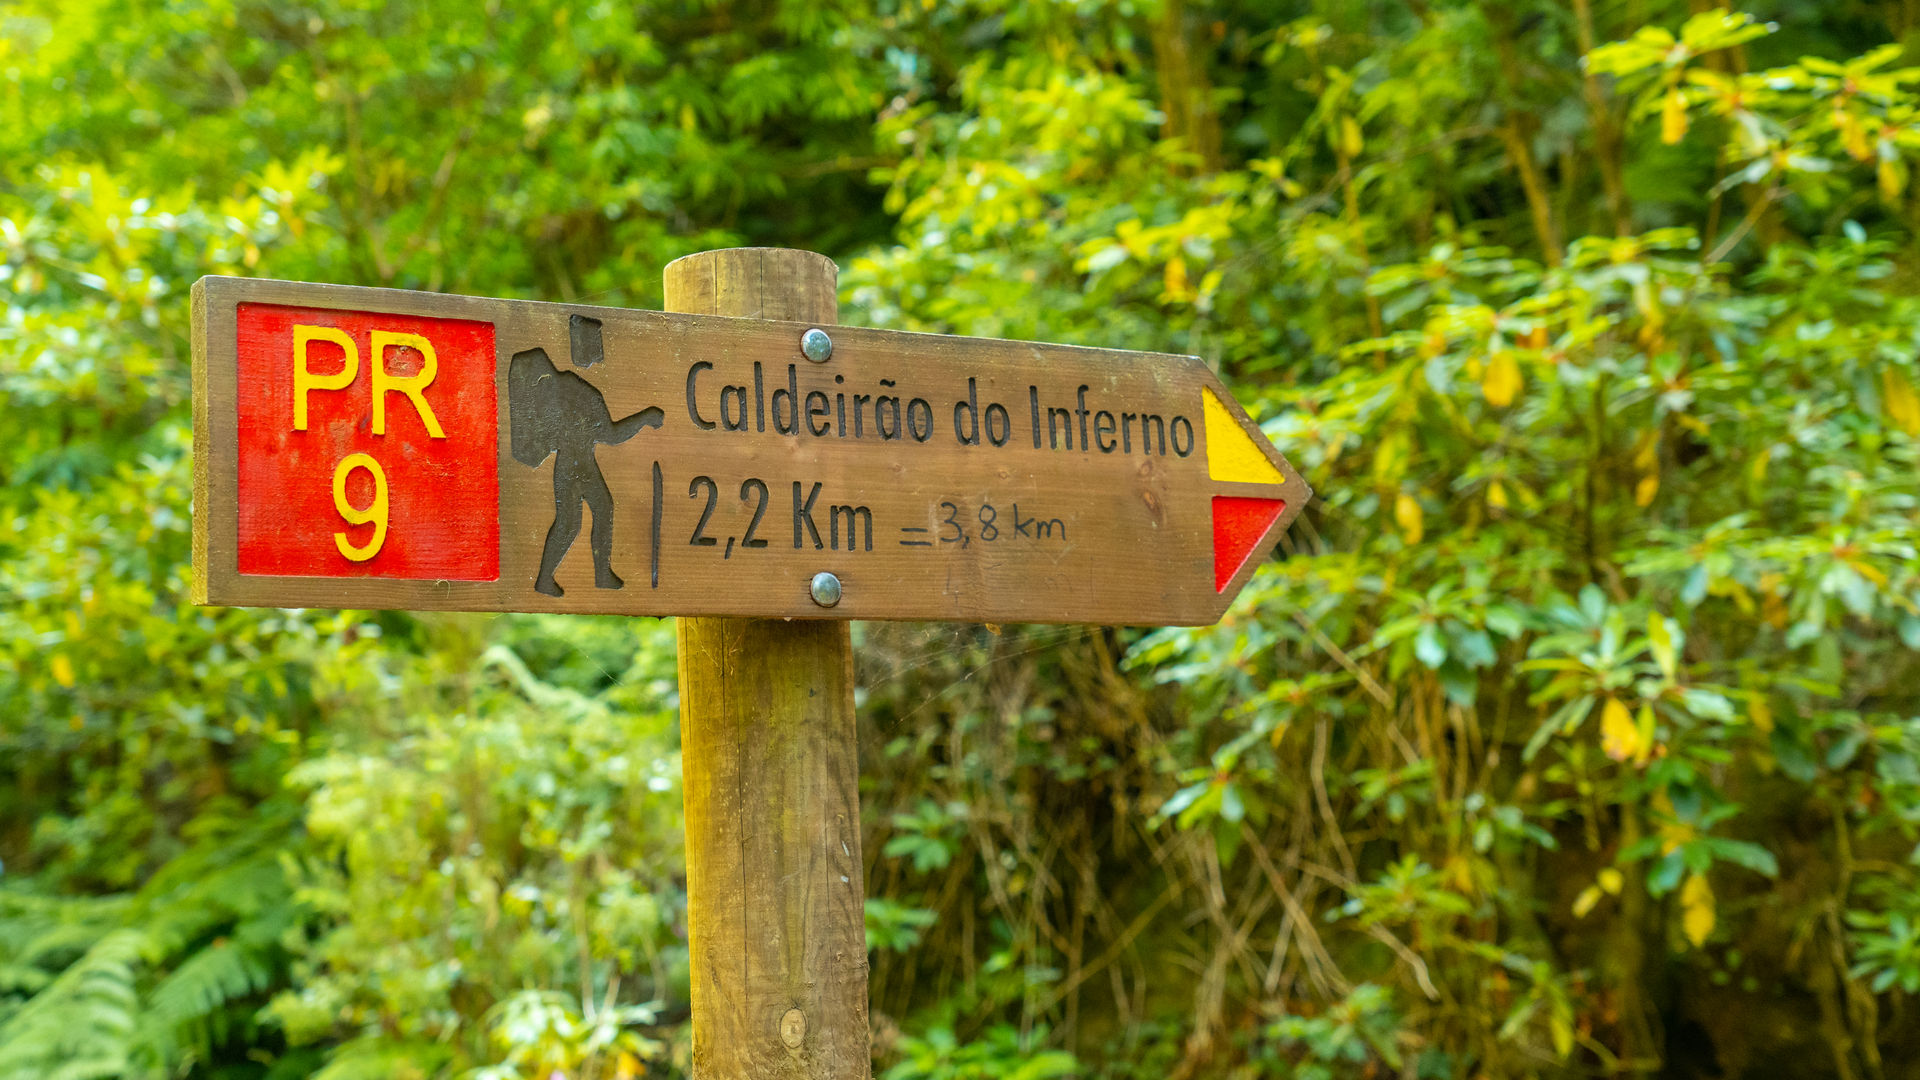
<point>974,479</point>
<point>206,424</point>
<point>775,918</point>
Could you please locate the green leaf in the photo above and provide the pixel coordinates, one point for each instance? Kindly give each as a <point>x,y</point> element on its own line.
<point>1844,747</point>
<point>1459,684</point>
<point>1666,873</point>
<point>1430,647</point>
<point>1741,853</point>
<point>1707,704</point>
<point>1231,807</point>
<point>1474,648</point>
<point>1564,720</point>
<point>1045,1065</point>
<point>1182,799</point>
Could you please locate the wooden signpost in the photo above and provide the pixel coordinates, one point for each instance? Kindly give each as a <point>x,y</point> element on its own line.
<point>383,449</point>
<point>747,462</point>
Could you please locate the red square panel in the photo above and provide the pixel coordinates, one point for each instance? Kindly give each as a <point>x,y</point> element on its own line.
<point>305,427</point>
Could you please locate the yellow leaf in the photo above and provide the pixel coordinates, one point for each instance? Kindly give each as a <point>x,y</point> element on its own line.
<point>1742,599</point>
<point>1459,872</point>
<point>1560,1025</point>
<point>1390,461</point>
<point>626,1066</point>
<point>1497,495</point>
<point>1773,608</point>
<point>1644,726</point>
<point>1672,836</point>
<point>1612,881</point>
<point>1853,134</point>
<point>1662,643</point>
<point>1619,735</point>
<point>1892,175</point>
<point>1177,289</point>
<point>63,670</point>
<point>1351,140</point>
<point>1411,519</point>
<point>1503,381</point>
<point>1899,400</point>
<point>1760,713</point>
<point>1583,903</point>
<point>1696,909</point>
<point>1646,451</point>
<point>1673,117</point>
<point>1645,490</point>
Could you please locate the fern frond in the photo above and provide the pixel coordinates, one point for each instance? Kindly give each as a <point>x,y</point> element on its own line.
<point>42,930</point>
<point>215,915</point>
<point>181,1007</point>
<point>79,1025</point>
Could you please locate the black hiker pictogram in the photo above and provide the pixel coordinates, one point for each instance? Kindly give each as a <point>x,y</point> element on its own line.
<point>557,413</point>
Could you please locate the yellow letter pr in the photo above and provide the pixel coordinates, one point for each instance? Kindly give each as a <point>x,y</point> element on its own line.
<point>413,386</point>
<point>304,380</point>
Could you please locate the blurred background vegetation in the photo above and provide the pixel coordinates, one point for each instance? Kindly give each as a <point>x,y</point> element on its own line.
<point>1574,731</point>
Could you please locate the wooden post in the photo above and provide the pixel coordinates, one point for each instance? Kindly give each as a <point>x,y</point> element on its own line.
<point>775,919</point>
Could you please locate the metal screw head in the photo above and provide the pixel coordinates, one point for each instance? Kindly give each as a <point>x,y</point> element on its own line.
<point>825,589</point>
<point>817,346</point>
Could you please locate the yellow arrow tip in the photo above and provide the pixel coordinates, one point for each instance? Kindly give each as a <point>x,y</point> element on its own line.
<point>1232,455</point>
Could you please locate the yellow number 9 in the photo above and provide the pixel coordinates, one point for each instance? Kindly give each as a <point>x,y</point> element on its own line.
<point>375,512</point>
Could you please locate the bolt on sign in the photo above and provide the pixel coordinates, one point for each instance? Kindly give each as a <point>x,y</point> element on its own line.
<point>378,448</point>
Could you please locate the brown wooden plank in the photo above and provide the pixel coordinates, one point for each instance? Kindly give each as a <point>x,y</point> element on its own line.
<point>775,921</point>
<point>1076,535</point>
<point>207,419</point>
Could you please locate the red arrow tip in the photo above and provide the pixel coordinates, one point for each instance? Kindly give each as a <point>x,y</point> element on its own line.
<point>1238,525</point>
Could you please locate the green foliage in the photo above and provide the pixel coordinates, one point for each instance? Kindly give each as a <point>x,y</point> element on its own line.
<point>216,921</point>
<point>528,841</point>
<point>542,1034</point>
<point>1000,1054</point>
<point>1576,733</point>
<point>893,926</point>
<point>1354,1032</point>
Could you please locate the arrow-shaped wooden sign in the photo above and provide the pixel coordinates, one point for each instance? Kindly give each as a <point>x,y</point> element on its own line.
<point>376,448</point>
